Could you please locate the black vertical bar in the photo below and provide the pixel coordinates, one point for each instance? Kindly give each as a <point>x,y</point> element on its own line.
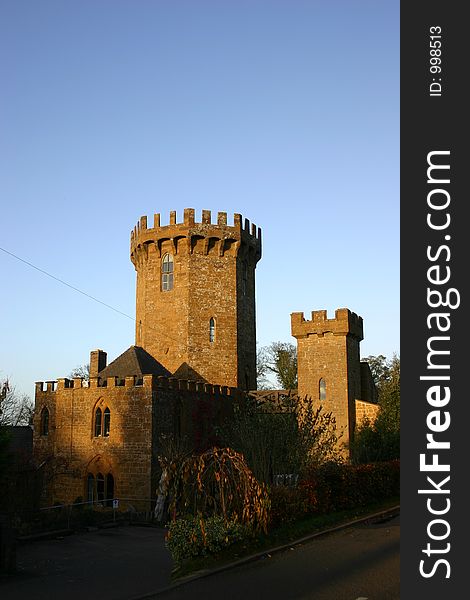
<point>435,523</point>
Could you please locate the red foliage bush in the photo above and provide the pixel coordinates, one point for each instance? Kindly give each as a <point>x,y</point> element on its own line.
<point>333,487</point>
<point>287,505</point>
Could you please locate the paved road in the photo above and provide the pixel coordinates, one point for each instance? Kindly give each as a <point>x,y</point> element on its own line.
<point>109,564</point>
<point>357,563</point>
<point>127,563</point>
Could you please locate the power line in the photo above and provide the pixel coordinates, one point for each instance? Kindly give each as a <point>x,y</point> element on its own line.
<point>67,284</point>
<point>72,287</point>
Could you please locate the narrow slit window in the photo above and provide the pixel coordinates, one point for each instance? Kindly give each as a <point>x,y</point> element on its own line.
<point>167,273</point>
<point>322,389</point>
<point>212,330</point>
<point>45,421</point>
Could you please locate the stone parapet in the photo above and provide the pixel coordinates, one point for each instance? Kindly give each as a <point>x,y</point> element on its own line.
<point>189,233</point>
<point>148,381</point>
<point>344,323</point>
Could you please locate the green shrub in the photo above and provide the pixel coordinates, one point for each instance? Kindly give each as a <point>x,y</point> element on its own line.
<point>374,442</point>
<point>190,537</point>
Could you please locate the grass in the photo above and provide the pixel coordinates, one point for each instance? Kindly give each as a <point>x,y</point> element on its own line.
<point>288,533</point>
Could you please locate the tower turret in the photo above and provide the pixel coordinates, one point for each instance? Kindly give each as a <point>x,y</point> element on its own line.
<point>328,362</point>
<point>195,296</point>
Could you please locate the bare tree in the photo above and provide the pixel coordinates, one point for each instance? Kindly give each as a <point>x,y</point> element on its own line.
<point>82,371</point>
<point>15,408</point>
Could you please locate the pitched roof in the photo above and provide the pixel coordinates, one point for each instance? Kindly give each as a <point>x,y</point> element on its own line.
<point>134,361</point>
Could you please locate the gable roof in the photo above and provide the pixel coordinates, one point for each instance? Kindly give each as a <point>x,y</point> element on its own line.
<point>134,361</point>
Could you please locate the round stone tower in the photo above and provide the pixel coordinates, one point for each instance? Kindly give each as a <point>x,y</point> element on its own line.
<point>195,296</point>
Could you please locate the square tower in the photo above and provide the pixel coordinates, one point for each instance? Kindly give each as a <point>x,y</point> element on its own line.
<point>329,368</point>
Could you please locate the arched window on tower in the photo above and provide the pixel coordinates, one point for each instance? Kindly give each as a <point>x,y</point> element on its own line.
<point>167,273</point>
<point>322,389</point>
<point>45,421</point>
<point>212,330</point>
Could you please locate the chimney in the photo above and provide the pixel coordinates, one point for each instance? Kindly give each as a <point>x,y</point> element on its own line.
<point>97,362</point>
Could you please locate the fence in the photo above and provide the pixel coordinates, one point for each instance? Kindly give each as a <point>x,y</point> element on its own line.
<point>81,515</point>
<point>286,479</point>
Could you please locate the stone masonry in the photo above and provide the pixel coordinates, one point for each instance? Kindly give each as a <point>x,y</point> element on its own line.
<point>328,356</point>
<point>194,355</point>
<point>213,270</point>
<point>141,410</point>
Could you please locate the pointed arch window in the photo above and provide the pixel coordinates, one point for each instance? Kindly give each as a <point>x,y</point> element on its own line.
<point>106,422</point>
<point>90,488</point>
<point>98,422</point>
<point>100,488</point>
<point>109,484</point>
<point>45,421</point>
<point>167,272</point>
<point>322,389</point>
<point>102,422</point>
<point>212,330</point>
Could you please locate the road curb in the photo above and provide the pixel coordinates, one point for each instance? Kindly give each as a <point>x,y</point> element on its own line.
<point>388,513</point>
<point>45,535</point>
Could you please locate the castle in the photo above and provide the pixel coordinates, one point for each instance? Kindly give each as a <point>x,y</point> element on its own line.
<point>194,354</point>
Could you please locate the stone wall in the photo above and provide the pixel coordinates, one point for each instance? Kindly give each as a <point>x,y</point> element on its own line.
<point>366,410</point>
<point>139,415</point>
<point>72,450</point>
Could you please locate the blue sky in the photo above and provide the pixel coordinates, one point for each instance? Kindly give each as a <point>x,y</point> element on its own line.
<point>284,111</point>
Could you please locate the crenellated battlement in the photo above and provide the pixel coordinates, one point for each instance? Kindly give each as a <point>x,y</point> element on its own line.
<point>193,271</point>
<point>344,323</point>
<point>188,233</point>
<point>147,381</point>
